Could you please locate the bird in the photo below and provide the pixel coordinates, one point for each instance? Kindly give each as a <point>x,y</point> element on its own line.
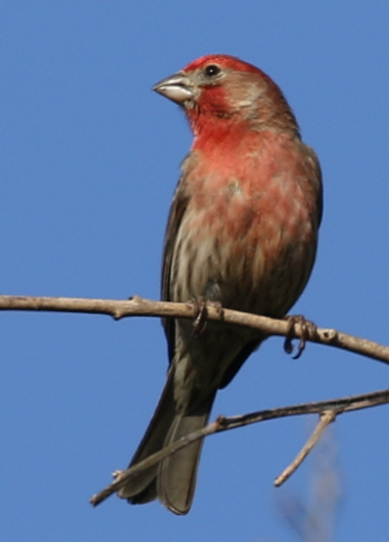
<point>242,233</point>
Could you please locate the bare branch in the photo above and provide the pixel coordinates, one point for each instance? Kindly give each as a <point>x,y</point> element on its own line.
<point>137,306</point>
<point>326,418</point>
<point>332,408</point>
<point>313,519</point>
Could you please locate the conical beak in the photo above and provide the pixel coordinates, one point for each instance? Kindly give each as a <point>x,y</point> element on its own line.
<point>177,87</point>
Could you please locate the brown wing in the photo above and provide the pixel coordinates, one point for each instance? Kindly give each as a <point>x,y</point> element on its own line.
<point>179,204</point>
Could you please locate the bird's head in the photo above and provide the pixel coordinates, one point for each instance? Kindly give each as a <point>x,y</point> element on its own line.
<point>222,88</point>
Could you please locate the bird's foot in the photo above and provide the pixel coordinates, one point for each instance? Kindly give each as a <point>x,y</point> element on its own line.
<point>200,307</point>
<point>201,312</point>
<point>308,331</point>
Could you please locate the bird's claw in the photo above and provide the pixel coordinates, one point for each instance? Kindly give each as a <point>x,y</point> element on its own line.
<point>201,313</point>
<point>200,307</point>
<point>308,331</point>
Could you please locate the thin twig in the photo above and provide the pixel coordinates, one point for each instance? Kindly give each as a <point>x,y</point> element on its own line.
<point>137,306</point>
<point>337,406</point>
<point>325,419</point>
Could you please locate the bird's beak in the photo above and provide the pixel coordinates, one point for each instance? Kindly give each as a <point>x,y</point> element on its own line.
<point>177,87</point>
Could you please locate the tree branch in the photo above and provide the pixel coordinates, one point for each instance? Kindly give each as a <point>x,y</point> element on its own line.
<point>295,327</point>
<point>137,306</point>
<point>326,418</point>
<point>330,409</point>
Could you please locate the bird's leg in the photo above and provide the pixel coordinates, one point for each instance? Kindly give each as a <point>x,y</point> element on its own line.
<point>308,331</point>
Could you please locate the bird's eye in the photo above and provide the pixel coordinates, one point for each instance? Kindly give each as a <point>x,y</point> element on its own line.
<point>212,70</point>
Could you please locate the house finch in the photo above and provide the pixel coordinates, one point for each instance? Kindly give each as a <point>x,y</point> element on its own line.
<point>242,233</point>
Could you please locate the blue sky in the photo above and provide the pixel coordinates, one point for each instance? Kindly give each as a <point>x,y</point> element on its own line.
<point>89,158</point>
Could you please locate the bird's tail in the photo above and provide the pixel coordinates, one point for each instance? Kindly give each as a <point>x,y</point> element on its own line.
<point>173,480</point>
